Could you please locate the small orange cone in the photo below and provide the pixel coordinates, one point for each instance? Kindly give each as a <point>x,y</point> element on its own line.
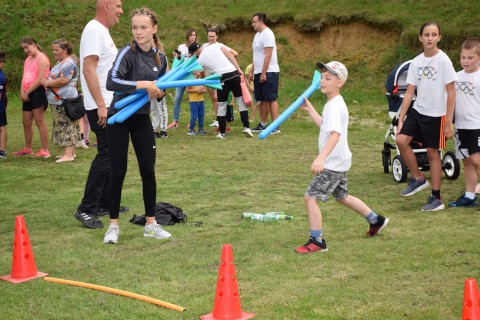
<point>227,298</point>
<point>23,263</point>
<point>471,301</point>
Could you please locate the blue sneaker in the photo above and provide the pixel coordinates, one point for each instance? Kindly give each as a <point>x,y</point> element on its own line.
<point>463,201</point>
<point>191,133</point>
<point>259,128</point>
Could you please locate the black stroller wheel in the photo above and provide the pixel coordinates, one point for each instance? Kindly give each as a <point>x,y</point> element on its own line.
<point>399,169</point>
<point>451,165</point>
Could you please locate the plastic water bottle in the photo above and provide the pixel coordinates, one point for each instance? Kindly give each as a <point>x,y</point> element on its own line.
<point>281,215</point>
<point>247,214</point>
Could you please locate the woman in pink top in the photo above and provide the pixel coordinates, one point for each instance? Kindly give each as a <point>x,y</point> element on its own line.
<point>33,95</point>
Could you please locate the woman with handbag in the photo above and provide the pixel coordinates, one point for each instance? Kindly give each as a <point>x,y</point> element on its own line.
<point>62,84</point>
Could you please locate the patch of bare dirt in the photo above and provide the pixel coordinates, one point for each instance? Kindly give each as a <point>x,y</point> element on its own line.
<point>350,43</point>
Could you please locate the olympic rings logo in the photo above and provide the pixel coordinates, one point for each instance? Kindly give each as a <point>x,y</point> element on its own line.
<point>466,87</point>
<point>427,72</point>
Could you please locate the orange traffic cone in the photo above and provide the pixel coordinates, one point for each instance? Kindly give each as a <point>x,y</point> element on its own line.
<point>227,298</point>
<point>23,263</point>
<point>471,302</point>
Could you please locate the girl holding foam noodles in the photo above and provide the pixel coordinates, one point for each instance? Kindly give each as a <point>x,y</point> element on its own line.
<point>137,66</point>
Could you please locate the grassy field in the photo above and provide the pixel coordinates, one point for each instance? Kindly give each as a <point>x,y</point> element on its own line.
<point>415,270</point>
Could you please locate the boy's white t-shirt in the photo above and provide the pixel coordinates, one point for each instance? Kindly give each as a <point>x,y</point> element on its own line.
<point>430,75</point>
<point>467,100</point>
<point>335,118</point>
<point>213,58</point>
<point>262,40</point>
<point>96,41</point>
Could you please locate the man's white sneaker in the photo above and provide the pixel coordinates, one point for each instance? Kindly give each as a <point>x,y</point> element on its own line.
<point>154,230</point>
<point>214,124</point>
<point>221,136</point>
<point>111,236</point>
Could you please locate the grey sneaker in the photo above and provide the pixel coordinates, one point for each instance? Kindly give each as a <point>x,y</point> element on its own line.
<point>111,236</point>
<point>414,186</point>
<point>248,132</point>
<point>155,231</point>
<point>433,204</point>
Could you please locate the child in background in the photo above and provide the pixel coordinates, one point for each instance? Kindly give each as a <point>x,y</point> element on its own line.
<point>197,106</point>
<point>333,161</point>
<point>432,76</point>
<point>3,108</point>
<point>251,88</point>
<point>467,120</point>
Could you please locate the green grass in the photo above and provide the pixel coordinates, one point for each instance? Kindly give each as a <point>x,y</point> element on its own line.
<point>415,270</point>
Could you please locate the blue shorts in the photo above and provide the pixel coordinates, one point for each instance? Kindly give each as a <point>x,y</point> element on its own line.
<point>268,90</point>
<point>38,99</point>
<point>3,119</point>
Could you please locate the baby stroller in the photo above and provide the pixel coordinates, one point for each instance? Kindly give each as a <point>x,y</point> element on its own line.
<point>396,86</point>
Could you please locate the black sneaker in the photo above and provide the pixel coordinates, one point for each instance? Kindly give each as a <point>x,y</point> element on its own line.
<point>312,246</point>
<point>104,211</point>
<point>88,220</point>
<point>160,135</point>
<point>377,227</point>
<point>259,128</point>
<point>3,154</point>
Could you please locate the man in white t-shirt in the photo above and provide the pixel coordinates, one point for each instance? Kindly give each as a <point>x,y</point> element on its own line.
<point>265,71</point>
<point>97,54</point>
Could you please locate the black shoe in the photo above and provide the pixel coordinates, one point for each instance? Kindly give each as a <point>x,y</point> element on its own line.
<point>259,128</point>
<point>377,227</point>
<point>161,135</point>
<point>104,211</point>
<point>88,220</point>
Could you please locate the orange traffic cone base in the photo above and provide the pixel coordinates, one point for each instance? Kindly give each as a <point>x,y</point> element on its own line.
<point>12,280</point>
<point>244,316</point>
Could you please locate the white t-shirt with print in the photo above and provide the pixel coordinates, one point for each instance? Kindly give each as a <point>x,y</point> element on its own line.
<point>335,119</point>
<point>430,75</point>
<point>262,40</point>
<point>467,100</point>
<point>96,41</point>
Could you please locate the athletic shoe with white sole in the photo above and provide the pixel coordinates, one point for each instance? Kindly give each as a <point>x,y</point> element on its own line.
<point>259,128</point>
<point>248,132</point>
<point>221,136</point>
<point>433,204</point>
<point>414,186</point>
<point>377,227</point>
<point>154,230</point>
<point>111,236</point>
<point>214,124</point>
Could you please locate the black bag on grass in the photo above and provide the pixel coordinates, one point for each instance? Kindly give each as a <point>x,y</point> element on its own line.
<point>166,214</point>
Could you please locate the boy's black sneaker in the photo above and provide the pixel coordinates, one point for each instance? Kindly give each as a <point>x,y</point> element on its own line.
<point>104,211</point>
<point>3,154</point>
<point>88,220</point>
<point>312,246</point>
<point>259,128</point>
<point>377,227</point>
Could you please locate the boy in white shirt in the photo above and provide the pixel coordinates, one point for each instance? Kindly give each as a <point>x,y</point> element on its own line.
<point>333,161</point>
<point>467,120</point>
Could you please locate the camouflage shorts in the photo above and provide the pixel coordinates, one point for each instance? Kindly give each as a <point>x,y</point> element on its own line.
<point>328,183</point>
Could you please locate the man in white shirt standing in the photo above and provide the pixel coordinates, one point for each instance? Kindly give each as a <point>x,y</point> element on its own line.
<point>97,54</point>
<point>265,71</point>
